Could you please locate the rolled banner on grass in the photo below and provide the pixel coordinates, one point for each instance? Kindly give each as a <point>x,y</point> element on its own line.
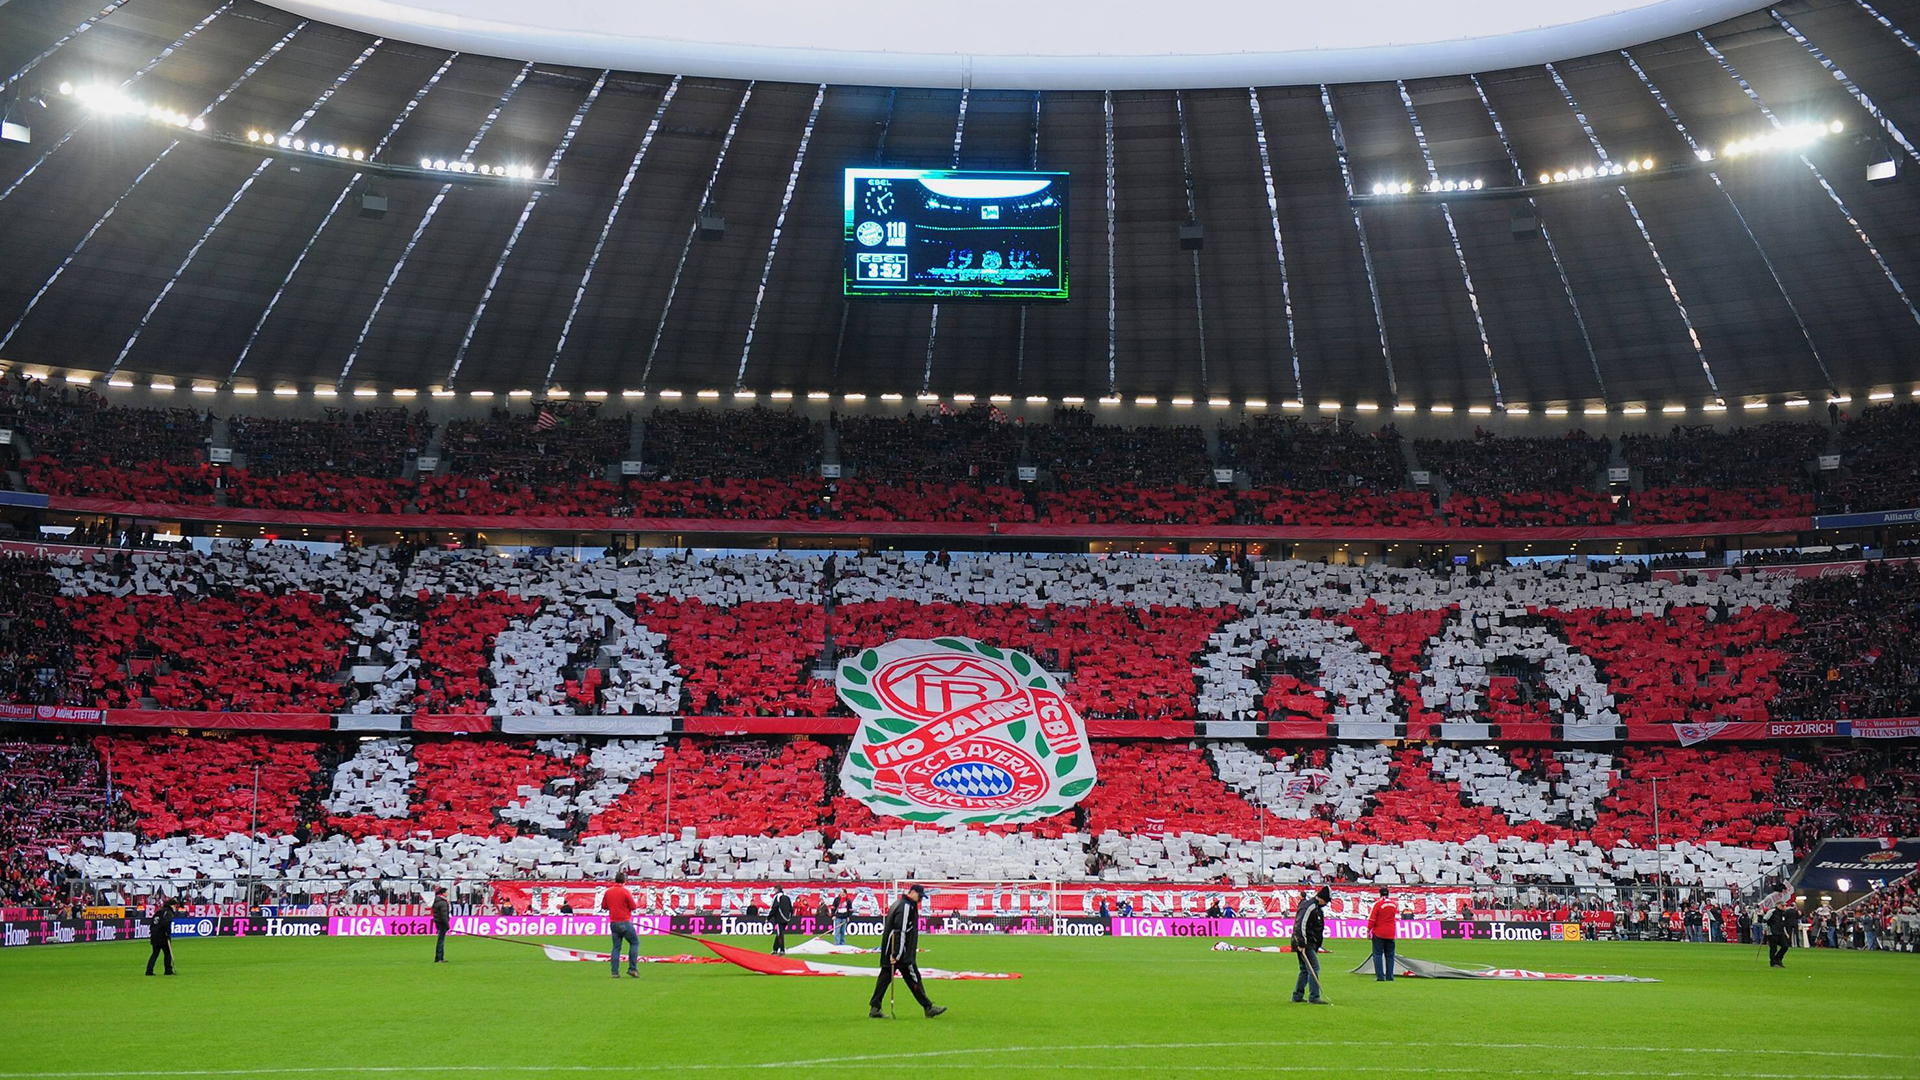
<point>1408,967</point>
<point>766,964</point>
<point>819,946</point>
<point>1228,946</point>
<point>555,952</point>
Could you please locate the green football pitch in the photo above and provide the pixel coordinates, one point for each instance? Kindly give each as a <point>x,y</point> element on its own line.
<point>352,1008</point>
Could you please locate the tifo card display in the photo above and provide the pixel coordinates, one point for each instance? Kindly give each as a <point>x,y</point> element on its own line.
<point>953,234</point>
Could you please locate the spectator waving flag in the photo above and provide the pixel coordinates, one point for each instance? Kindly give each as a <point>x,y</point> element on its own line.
<point>546,421</point>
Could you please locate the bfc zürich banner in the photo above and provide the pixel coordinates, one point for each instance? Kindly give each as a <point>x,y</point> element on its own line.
<point>954,731</point>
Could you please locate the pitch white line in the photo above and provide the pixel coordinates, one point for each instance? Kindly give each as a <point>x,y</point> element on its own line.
<point>923,1060</point>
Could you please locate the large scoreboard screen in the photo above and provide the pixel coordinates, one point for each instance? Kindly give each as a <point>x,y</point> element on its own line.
<point>947,233</point>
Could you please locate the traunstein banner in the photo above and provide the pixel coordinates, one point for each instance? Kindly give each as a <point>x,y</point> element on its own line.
<point>954,731</point>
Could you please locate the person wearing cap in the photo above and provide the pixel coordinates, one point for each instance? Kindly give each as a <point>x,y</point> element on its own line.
<point>899,951</point>
<point>1382,928</point>
<point>1309,930</point>
<point>442,922</point>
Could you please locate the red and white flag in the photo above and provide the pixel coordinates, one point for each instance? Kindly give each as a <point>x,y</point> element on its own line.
<point>546,421</point>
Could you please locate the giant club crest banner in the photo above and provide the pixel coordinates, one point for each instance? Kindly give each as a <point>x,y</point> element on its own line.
<point>955,731</point>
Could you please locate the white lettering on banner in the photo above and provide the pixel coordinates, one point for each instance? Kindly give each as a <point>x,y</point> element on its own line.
<point>283,928</point>
<point>1503,932</point>
<point>105,932</point>
<point>15,937</point>
<point>1070,929</point>
<point>62,934</point>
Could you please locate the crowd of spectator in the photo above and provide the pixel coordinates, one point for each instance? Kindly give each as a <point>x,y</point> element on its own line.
<point>730,444</point>
<point>1699,456</point>
<point>1880,456</point>
<point>979,444</point>
<point>36,637</point>
<point>1081,454</point>
<point>1288,452</point>
<point>372,443</point>
<point>1857,655</point>
<point>555,442</point>
<point>1490,465</point>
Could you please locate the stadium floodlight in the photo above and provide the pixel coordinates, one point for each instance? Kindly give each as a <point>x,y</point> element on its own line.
<point>66,89</point>
<point>1406,407</point>
<point>160,384</point>
<point>707,395</point>
<point>1671,409</point>
<point>480,395</point>
<point>1555,410</point>
<point>1110,399</point>
<point>1036,399</point>
<point>1255,403</point>
<point>1329,406</point>
<point>426,163</point>
<point>405,395</point>
<point>1755,406</point>
<point>365,392</point>
<point>1839,399</point>
<point>1145,399</point>
<point>815,395</point>
<point>440,164</point>
<point>1478,183</point>
<point>245,391</point>
<point>1366,406</point>
<point>204,388</point>
<point>1182,401</point>
<point>1635,410</point>
<point>1594,410</point>
<point>1480,410</point>
<point>668,394</point>
<point>1714,406</point>
<point>1295,403</point>
<point>1559,177</point>
<point>1406,187</point>
<point>80,380</point>
<point>443,392</point>
<point>120,382</point>
<point>325,391</point>
<point>1441,409</point>
<point>1880,395</point>
<point>1546,178</point>
<point>1000,399</point>
<point>1518,410</point>
<point>1218,403</point>
<point>958,399</point>
<point>1797,403</point>
<point>738,395</point>
<point>926,397</point>
<point>1379,189</point>
<point>853,399</point>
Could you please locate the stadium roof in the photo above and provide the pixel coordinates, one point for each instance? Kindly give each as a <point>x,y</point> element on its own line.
<point>1012,44</point>
<point>135,247</point>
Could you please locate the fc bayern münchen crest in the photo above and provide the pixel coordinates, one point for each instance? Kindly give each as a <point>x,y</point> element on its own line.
<point>954,731</point>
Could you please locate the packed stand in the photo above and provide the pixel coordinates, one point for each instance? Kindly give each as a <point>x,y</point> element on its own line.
<point>371,443</point>
<point>1079,453</point>
<point>551,443</point>
<point>1880,456</point>
<point>84,446</point>
<point>1496,480</point>
<point>1695,473</point>
<point>52,794</point>
<point>730,444</point>
<point>1856,654</point>
<point>979,445</point>
<point>36,636</point>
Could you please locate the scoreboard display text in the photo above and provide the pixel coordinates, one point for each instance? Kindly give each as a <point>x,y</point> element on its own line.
<point>945,234</point>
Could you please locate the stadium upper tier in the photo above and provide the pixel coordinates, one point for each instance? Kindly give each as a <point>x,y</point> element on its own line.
<point>561,459</point>
<point>1682,222</point>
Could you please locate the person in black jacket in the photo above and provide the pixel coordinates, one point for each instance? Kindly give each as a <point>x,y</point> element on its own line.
<point>899,951</point>
<point>1781,922</point>
<point>160,936</point>
<point>781,910</point>
<point>442,922</point>
<point>1309,930</point>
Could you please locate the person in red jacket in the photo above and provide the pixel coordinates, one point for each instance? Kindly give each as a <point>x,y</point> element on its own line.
<point>619,904</point>
<point>1381,927</point>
